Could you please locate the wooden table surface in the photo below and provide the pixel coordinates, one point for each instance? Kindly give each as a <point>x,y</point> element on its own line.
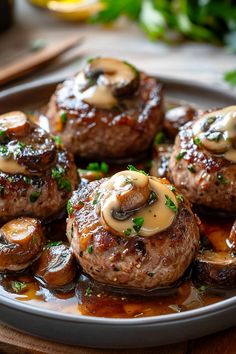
<point>194,62</point>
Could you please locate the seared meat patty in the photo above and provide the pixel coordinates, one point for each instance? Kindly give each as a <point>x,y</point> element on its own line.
<point>37,176</point>
<point>124,130</point>
<point>130,261</point>
<point>205,178</point>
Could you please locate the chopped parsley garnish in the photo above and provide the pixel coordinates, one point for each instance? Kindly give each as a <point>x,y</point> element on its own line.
<point>63,117</point>
<point>88,292</point>
<point>96,198</point>
<point>127,232</point>
<point>57,140</point>
<point>2,133</point>
<point>95,166</point>
<point>27,180</point>
<point>221,179</point>
<point>34,196</point>
<point>180,155</point>
<point>191,168</point>
<point>18,286</point>
<point>133,168</point>
<point>172,188</point>
<point>197,141</point>
<point>90,249</point>
<point>58,173</point>
<point>201,289</point>
<point>53,244</point>
<point>170,204</point>
<point>3,150</point>
<point>138,223</point>
<point>180,198</point>
<point>69,207</point>
<point>159,138</point>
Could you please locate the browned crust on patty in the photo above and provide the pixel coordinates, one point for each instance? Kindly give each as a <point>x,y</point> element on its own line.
<point>135,262</point>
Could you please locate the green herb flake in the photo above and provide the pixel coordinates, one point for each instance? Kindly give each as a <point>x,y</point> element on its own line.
<point>191,168</point>
<point>133,168</point>
<point>27,180</point>
<point>138,223</point>
<point>34,196</point>
<point>58,173</point>
<point>57,140</point>
<point>69,207</point>
<point>90,249</point>
<point>159,138</point>
<point>53,244</point>
<point>202,289</point>
<point>197,141</point>
<point>63,117</point>
<point>88,292</point>
<point>180,198</point>
<point>127,232</point>
<point>180,155</point>
<point>2,133</point>
<point>170,204</point>
<point>230,77</point>
<point>3,150</point>
<point>96,198</point>
<point>172,188</point>
<point>18,286</point>
<point>104,167</point>
<point>221,179</point>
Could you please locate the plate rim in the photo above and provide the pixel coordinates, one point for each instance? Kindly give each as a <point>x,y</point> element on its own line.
<point>204,311</point>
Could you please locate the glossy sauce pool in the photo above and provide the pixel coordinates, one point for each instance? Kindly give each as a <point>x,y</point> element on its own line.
<point>89,298</point>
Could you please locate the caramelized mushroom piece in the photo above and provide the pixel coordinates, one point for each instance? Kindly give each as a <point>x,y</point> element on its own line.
<point>14,124</point>
<point>119,76</point>
<point>216,268</point>
<point>56,266</point>
<point>21,242</point>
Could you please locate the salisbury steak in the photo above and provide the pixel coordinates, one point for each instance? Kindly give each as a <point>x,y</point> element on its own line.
<point>109,110</point>
<point>37,176</point>
<point>203,162</point>
<point>123,245</point>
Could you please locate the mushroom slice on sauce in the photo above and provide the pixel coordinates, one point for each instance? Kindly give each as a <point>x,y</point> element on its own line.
<point>119,76</point>
<point>215,268</point>
<point>21,242</point>
<point>56,266</point>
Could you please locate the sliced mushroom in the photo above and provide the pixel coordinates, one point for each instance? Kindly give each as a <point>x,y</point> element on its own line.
<point>56,266</point>
<point>38,152</point>
<point>21,242</point>
<point>215,268</point>
<point>119,76</point>
<point>14,124</point>
<point>130,194</point>
<point>134,203</point>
